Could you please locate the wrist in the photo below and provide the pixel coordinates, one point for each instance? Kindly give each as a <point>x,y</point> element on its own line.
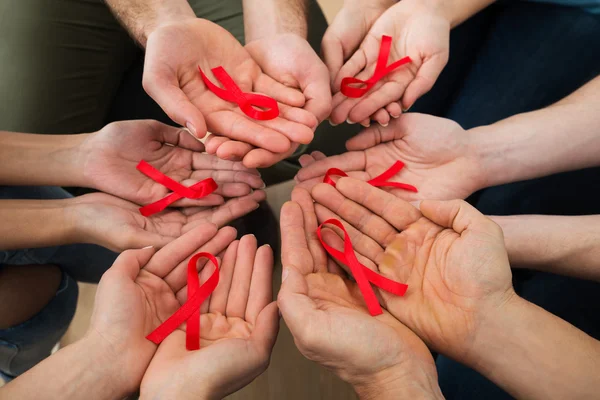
<point>489,153</point>
<point>164,17</point>
<point>400,382</point>
<point>267,19</point>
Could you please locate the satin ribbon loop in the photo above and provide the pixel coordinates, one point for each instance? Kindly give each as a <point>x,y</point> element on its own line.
<point>190,310</point>
<point>381,70</point>
<point>269,109</point>
<point>196,191</point>
<point>379,181</point>
<point>363,275</point>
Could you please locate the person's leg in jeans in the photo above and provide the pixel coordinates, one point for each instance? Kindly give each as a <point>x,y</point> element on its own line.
<point>533,55</point>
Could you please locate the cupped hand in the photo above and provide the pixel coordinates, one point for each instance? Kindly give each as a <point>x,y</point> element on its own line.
<point>109,158</point>
<point>437,154</point>
<point>418,30</point>
<point>117,224</point>
<point>173,54</point>
<point>138,292</point>
<point>239,325</point>
<point>328,319</point>
<point>452,258</point>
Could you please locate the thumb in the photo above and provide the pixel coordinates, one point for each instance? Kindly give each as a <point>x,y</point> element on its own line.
<point>459,216</point>
<point>377,134</point>
<point>164,89</point>
<point>293,301</point>
<point>130,262</point>
<point>267,326</point>
<point>333,54</point>
<point>425,79</point>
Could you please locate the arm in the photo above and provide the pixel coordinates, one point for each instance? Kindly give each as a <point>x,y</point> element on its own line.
<point>84,369</point>
<point>39,160</point>
<point>562,137</point>
<point>533,354</point>
<point>458,11</point>
<point>558,244</point>
<point>141,17</point>
<point>264,18</point>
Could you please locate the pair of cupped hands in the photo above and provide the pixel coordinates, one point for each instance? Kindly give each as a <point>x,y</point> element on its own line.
<point>286,68</point>
<point>452,258</point>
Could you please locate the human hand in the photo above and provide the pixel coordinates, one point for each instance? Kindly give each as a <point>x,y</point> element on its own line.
<point>239,325</point>
<point>437,154</point>
<point>173,53</point>
<point>138,292</point>
<point>331,325</point>
<point>451,257</point>
<point>288,59</point>
<point>108,160</point>
<point>419,30</point>
<point>117,224</point>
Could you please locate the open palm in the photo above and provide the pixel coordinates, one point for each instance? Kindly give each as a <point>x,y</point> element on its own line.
<point>435,151</point>
<point>171,77</point>
<point>239,324</point>
<point>452,258</point>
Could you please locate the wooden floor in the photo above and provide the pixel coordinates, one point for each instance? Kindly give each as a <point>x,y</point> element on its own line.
<point>290,375</point>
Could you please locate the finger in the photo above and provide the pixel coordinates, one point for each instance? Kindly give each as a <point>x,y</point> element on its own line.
<point>163,87</point>
<point>266,329</point>
<point>177,278</point>
<point>459,216</point>
<point>232,190</point>
<point>379,97</point>
<point>294,247</point>
<point>218,301</point>
<point>130,262</point>
<point>236,126</point>
<point>203,275</point>
<point>230,211</point>
<point>333,54</point>
<point>305,160</point>
<point>382,117</point>
<point>318,155</point>
<point>278,91</point>
<point>427,74</point>
<point>222,176</point>
<point>299,115</point>
<point>335,238</point>
<point>261,158</point>
<point>311,183</point>
<point>352,161</point>
<point>341,112</point>
<point>297,309</point>
<point>209,162</point>
<point>210,200</point>
<point>174,253</point>
<point>261,285</point>
<point>376,134</point>
<point>362,243</point>
<point>317,92</point>
<point>144,238</point>
<point>303,198</point>
<point>394,109</point>
<point>242,275</point>
<point>179,137</point>
<point>397,212</point>
<point>214,142</point>
<point>358,216</point>
<point>352,67</point>
<point>234,150</point>
<point>295,132</point>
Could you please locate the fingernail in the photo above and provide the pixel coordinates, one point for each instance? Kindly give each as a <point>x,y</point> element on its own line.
<point>366,124</point>
<point>147,247</point>
<point>296,179</point>
<point>384,125</point>
<point>350,122</point>
<point>409,107</point>
<point>395,116</point>
<point>191,128</point>
<point>264,185</point>
<point>331,123</point>
<point>284,274</point>
<point>417,204</point>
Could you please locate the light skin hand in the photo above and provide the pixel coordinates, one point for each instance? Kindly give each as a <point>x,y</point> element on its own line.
<point>172,79</point>
<point>451,257</point>
<point>377,355</point>
<point>117,224</point>
<point>420,31</point>
<point>438,156</point>
<point>239,325</point>
<point>108,158</point>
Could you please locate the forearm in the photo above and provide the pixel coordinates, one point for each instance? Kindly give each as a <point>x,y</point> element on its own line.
<point>35,223</point>
<point>562,137</point>
<point>81,370</point>
<point>458,11</point>
<point>559,244</point>
<point>533,354</point>
<point>264,18</point>
<point>141,17</point>
<point>39,160</point>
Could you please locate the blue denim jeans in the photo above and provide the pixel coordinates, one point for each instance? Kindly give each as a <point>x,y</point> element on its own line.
<point>24,345</point>
<point>516,57</point>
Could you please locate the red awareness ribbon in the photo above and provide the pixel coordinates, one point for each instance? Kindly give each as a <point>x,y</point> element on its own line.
<point>190,310</point>
<point>246,101</point>
<point>381,70</point>
<point>363,275</point>
<point>196,191</point>
<point>378,181</point>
